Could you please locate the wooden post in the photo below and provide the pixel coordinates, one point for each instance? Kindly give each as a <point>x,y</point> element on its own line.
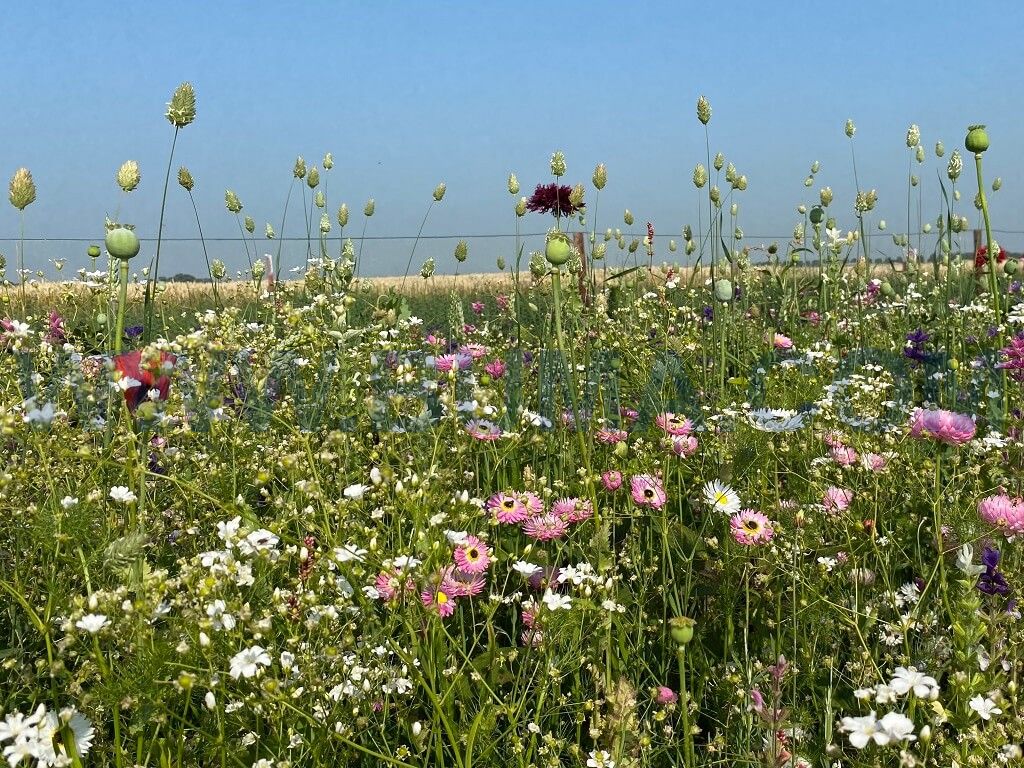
<point>977,240</point>
<point>580,244</point>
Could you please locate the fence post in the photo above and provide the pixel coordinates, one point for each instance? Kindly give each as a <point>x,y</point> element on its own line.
<point>977,240</point>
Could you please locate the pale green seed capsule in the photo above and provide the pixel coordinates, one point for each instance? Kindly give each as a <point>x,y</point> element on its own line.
<point>919,153</point>
<point>881,225</point>
<point>691,246</point>
<point>734,209</point>
<point>672,246</point>
<point>801,209</point>
<point>927,227</point>
<point>723,290</point>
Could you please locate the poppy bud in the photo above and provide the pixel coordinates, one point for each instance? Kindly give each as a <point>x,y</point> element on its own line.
<point>681,629</point>
<point>977,139</point>
<point>557,248</point>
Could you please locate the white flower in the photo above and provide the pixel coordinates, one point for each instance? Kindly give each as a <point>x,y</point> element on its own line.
<point>898,727</point>
<point>227,531</point>
<point>406,563</point>
<point>375,476</point>
<point>259,541</point>
<point>775,420</point>
<point>81,729</point>
<point>721,497</point>
<point>985,707</point>
<point>909,679</point>
<point>41,416</point>
<point>247,663</point>
<point>456,537</point>
<point>218,617</point>
<point>965,561</point>
<point>355,491</point>
<point>349,552</point>
<point>525,568</point>
<point>92,622</point>
<point>68,502</point>
<point>122,494</point>
<point>863,730</point>
<point>555,601</point>
<point>599,758</point>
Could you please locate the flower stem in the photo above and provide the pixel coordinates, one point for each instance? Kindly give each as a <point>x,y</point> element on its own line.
<point>151,282</point>
<point>122,304</point>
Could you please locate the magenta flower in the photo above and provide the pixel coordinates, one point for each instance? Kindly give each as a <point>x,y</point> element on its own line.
<point>945,426</point>
<point>545,527</point>
<point>457,362</point>
<point>507,508</point>
<point>837,499</point>
<point>1013,357</point>
<point>477,307</point>
<point>874,461</point>
<point>472,556</point>
<point>674,425</point>
<point>573,510</point>
<point>665,695</point>
<point>532,502</point>
<point>1003,512</point>
<point>647,491</point>
<point>611,436</point>
<point>475,351</point>
<point>459,583</point>
<point>481,429</point>
<point>611,480</point>
<point>751,527</point>
<point>844,456</point>
<point>684,446</point>
<point>553,199</point>
<point>503,302</point>
<point>438,601</point>
<point>781,342</point>
<point>496,368</point>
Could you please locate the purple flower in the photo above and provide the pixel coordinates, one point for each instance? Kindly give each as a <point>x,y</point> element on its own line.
<point>990,557</point>
<point>133,331</point>
<point>553,199</point>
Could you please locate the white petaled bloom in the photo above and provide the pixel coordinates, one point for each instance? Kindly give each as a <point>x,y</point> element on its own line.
<point>41,416</point>
<point>349,552</point>
<point>92,622</point>
<point>898,727</point>
<point>554,601</point>
<point>68,502</point>
<point>775,420</point>
<point>906,679</point>
<point>247,663</point>
<point>525,568</point>
<point>985,707</point>
<point>863,730</point>
<point>721,497</point>
<point>16,726</point>
<point>599,758</point>
<point>355,491</point>
<point>259,541</point>
<point>965,561</point>
<point>81,729</point>
<point>122,494</point>
<point>219,618</point>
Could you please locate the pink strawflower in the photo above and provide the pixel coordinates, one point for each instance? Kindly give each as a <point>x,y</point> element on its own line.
<point>481,429</point>
<point>647,491</point>
<point>684,446</point>
<point>387,585</point>
<point>478,307</point>
<point>844,456</point>
<point>1003,512</point>
<point>475,351</point>
<point>436,341</point>
<point>459,583</point>
<point>750,527</point>
<point>532,502</point>
<point>573,510</point>
<point>874,461</point>
<point>781,342</point>
<point>438,601</point>
<point>458,362</point>
<point>472,555</point>
<point>945,426</point>
<point>629,414</point>
<point>837,499</point>
<point>507,508</point>
<point>611,480</point>
<point>503,302</point>
<point>496,368</point>
<point>665,695</point>
<point>673,424</point>
<point>611,436</point>
<point>545,527</point>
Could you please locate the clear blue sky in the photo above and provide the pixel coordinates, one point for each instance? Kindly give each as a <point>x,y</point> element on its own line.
<point>407,94</point>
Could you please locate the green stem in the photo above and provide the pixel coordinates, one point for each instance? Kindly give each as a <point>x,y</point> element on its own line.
<point>992,257</point>
<point>122,305</point>
<point>151,282</point>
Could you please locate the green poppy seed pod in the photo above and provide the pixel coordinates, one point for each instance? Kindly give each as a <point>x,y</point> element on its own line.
<point>914,180</point>
<point>715,195</point>
<point>734,209</point>
<point>122,242</point>
<point>181,109</point>
<point>723,290</point>
<point>628,217</point>
<point>439,191</point>
<point>825,196</point>
<point>22,190</point>
<point>501,263</point>
<point>313,177</point>
<point>557,248</point>
<point>218,269</point>
<point>269,232</point>
<point>521,207</point>
<point>691,246</point>
<point>817,215</point>
<point>634,244</point>
<point>850,128</point>
<point>600,177</point>
<point>369,208</point>
<point>558,164</point>
<point>719,161</point>
<point>576,196</point>
<point>997,184</point>
<point>328,161</point>
<point>428,268</point>
<point>128,176</point>
<point>977,139</point>
<point>956,165</point>
<point>687,233</point>
<point>93,251</point>
<point>919,153</point>
<point>913,135</point>
<point>231,202</point>
<point>940,149</point>
<point>887,289</point>
<point>343,215</point>
<point>672,246</point>
<point>325,223</point>
<point>461,251</point>
<point>299,171</point>
<point>740,183</point>
<point>319,200</point>
<point>513,184</point>
<point>700,176</point>
<point>250,224</point>
<point>1011,267</point>
<point>730,172</point>
<point>703,110</point>
<point>185,179</point>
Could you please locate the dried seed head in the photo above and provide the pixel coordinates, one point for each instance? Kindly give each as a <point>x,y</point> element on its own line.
<point>600,176</point>
<point>703,110</point>
<point>558,164</point>
<point>576,196</point>
<point>700,176</point>
<point>521,207</point>
<point>428,268</point>
<point>232,202</point>
<point>919,153</point>
<point>956,165</point>
<point>461,251</point>
<point>299,171</point>
<point>313,177</point>
<point>328,161</point>
<point>628,217</point>
<point>250,224</point>
<point>730,173</point>
<point>940,149</point>
<point>22,190</point>
<point>913,136</point>
<point>269,231</point>
<point>997,183</point>
<point>343,215</point>
<point>128,176</point>
<point>850,128</point>
<point>439,191</point>
<point>719,161</point>
<point>369,208</point>
<point>325,223</point>
<point>815,167</point>
<point>181,109</point>
<point>513,184</point>
<point>319,200</point>
<point>185,179</point>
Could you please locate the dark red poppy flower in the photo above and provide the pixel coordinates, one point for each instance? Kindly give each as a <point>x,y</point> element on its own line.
<point>553,199</point>
<point>981,257</point>
<point>151,376</point>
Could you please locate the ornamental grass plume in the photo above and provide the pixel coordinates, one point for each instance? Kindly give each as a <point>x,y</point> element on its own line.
<point>22,190</point>
<point>945,426</point>
<point>181,109</point>
<point>128,176</point>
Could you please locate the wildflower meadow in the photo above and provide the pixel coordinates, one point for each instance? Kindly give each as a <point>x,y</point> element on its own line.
<point>634,501</point>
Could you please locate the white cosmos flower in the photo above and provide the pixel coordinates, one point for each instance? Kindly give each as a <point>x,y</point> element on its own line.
<point>775,420</point>
<point>247,663</point>
<point>92,622</point>
<point>721,497</point>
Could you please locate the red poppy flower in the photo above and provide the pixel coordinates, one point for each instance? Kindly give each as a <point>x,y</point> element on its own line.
<point>981,257</point>
<point>151,376</point>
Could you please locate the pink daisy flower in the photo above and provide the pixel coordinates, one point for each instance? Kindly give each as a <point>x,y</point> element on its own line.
<point>611,480</point>
<point>751,527</point>
<point>387,585</point>
<point>874,462</point>
<point>573,510</point>
<point>844,456</point>
<point>438,601</point>
<point>945,426</point>
<point>837,499</point>
<point>507,508</point>
<point>459,583</point>
<point>475,351</point>
<point>456,362</point>
<point>647,491</point>
<point>1003,512</point>
<point>472,556</point>
<point>532,502</point>
<point>684,446</point>
<point>629,414</point>
<point>481,429</point>
<point>611,436</point>
<point>545,527</point>
<point>673,424</point>
<point>781,342</point>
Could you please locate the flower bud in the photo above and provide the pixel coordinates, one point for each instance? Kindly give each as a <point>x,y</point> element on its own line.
<point>801,209</point>
<point>600,177</point>
<point>343,215</point>
<point>977,139</point>
<point>93,251</point>
<point>691,246</point>
<point>128,176</point>
<point>513,184</point>
<point>850,128</point>
<point>369,208</point>
<point>439,191</point>
<point>181,110</point>
<point>628,217</point>
<point>703,110</point>
<point>558,164</point>
<point>700,176</point>
<point>250,224</point>
<point>299,171</point>
<point>185,179</point>
<point>817,215</point>
<point>919,153</point>
<point>231,202</point>
<point>313,177</point>
<point>461,251</point>
<point>22,190</point>
<point>501,263</point>
<point>940,149</point>
<point>672,246</point>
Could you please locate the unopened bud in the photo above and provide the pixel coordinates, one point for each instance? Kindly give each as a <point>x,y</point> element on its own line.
<point>313,177</point>
<point>628,217</point>
<point>439,191</point>
<point>299,171</point>
<point>558,164</point>
<point>703,110</point>
<point>700,176</point>
<point>343,215</point>
<point>461,251</point>
<point>250,225</point>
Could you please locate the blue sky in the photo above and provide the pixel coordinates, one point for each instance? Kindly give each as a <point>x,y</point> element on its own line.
<point>407,94</point>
